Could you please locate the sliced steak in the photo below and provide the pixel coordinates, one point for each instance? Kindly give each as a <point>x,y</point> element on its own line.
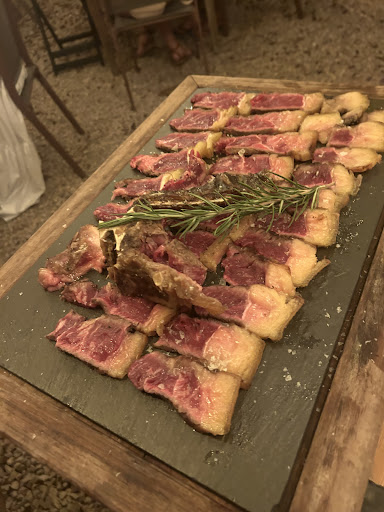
<point>155,165</point>
<point>223,100</point>
<point>354,159</point>
<point>341,181</point>
<point>136,274</point>
<point>318,227</point>
<point>198,241</point>
<point>202,143</point>
<point>82,254</point>
<point>287,101</point>
<point>258,308</point>
<point>198,120</point>
<point>254,164</point>
<point>323,124</point>
<point>192,176</point>
<point>82,293</point>
<point>298,145</point>
<point>299,257</point>
<point>111,211</point>
<point>364,135</point>
<point>205,399</point>
<point>143,314</point>
<point>244,268</point>
<point>105,342</point>
<point>271,122</point>
<point>219,346</point>
<point>178,256</point>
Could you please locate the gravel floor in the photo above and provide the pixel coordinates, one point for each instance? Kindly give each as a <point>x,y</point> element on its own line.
<point>338,40</point>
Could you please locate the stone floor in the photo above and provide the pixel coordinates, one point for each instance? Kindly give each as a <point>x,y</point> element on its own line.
<point>336,41</point>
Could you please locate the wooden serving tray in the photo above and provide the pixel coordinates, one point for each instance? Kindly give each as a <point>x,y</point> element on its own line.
<point>337,431</point>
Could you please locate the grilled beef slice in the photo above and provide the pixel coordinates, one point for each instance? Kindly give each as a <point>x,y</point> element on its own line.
<point>354,159</point>
<point>105,342</point>
<point>82,254</point>
<point>143,314</point>
<point>219,346</point>
<point>205,399</point>
<point>258,308</point>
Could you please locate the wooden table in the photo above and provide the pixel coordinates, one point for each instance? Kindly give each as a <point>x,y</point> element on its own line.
<point>335,459</point>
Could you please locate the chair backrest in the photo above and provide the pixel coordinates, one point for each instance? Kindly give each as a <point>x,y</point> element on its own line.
<point>10,55</point>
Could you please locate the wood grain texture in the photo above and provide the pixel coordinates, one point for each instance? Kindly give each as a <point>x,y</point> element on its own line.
<point>24,258</point>
<point>338,465</point>
<point>377,473</point>
<point>110,470</point>
<point>260,84</point>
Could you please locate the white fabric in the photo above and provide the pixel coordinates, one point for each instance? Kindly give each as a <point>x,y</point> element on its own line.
<point>21,179</point>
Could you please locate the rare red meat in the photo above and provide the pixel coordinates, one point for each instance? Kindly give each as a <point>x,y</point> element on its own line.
<point>82,254</point>
<point>194,175</point>
<point>82,293</point>
<point>364,135</point>
<point>287,101</point>
<point>245,268</point>
<point>354,159</point>
<point>178,256</point>
<point>298,145</point>
<point>258,308</point>
<point>222,100</point>
<point>198,241</point>
<point>205,399</point>
<point>198,119</point>
<point>111,211</point>
<point>254,164</point>
<point>201,142</point>
<point>105,342</point>
<point>143,314</point>
<point>154,165</point>
<point>219,346</point>
<point>317,226</point>
<point>271,122</point>
<point>299,256</point>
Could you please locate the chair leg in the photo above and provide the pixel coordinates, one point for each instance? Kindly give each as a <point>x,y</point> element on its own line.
<point>299,9</point>
<point>58,101</point>
<point>199,35</point>
<point>31,116</point>
<point>117,48</point>
<point>210,9</point>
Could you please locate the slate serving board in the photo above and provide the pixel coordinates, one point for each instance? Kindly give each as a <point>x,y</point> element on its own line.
<point>251,465</point>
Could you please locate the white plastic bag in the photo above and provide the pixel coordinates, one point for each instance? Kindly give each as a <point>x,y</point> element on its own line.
<point>21,179</point>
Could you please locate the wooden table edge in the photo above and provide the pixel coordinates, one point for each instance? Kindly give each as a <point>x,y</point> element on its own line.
<point>49,232</point>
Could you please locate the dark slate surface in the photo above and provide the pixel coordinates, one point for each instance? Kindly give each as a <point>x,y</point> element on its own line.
<point>250,465</point>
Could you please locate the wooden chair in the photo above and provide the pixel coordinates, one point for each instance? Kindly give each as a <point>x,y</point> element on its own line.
<point>13,55</point>
<point>117,20</point>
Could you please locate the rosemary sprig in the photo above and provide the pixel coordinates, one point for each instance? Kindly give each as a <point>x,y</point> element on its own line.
<point>267,198</point>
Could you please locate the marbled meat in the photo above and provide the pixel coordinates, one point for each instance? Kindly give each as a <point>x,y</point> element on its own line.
<point>154,165</point>
<point>143,314</point>
<point>219,346</point>
<point>259,309</point>
<point>82,254</point>
<point>105,342</point>
<point>287,101</point>
<point>223,100</point>
<point>298,145</point>
<point>271,122</point>
<point>205,399</point>
<point>198,119</point>
<point>202,143</point>
<point>354,159</point>
<point>243,267</point>
<point>254,164</point>
<point>364,135</point>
